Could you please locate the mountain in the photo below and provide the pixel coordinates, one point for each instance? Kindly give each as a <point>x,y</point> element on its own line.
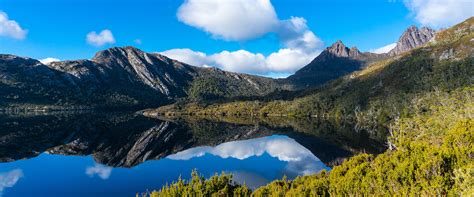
<point>413,37</point>
<point>335,61</point>
<point>339,60</point>
<point>118,77</point>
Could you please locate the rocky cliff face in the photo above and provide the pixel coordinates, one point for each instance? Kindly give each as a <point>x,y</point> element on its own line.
<point>116,77</point>
<point>340,50</point>
<point>413,37</point>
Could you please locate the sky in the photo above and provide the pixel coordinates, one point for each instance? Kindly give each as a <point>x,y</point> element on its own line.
<point>264,37</point>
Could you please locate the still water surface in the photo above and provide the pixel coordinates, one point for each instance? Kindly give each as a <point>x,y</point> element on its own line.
<point>123,154</point>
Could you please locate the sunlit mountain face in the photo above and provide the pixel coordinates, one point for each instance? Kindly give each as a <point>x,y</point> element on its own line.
<point>89,154</point>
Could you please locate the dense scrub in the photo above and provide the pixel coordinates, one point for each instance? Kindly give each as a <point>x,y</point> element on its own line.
<point>433,154</point>
<point>217,185</point>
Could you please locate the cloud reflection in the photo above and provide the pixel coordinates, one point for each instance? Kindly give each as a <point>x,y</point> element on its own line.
<point>300,160</point>
<point>102,171</point>
<point>9,179</point>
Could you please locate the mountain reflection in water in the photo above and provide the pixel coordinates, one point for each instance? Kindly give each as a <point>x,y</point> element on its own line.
<point>122,153</point>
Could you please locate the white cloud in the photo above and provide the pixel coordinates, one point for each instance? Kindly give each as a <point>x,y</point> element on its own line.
<point>240,61</point>
<point>11,28</point>
<point>384,49</point>
<point>187,56</point>
<point>300,160</point>
<point>295,34</point>
<point>289,60</point>
<point>230,19</point>
<point>104,37</point>
<point>240,20</point>
<point>282,62</point>
<point>440,13</point>
<point>9,179</point>
<point>102,171</point>
<point>48,60</point>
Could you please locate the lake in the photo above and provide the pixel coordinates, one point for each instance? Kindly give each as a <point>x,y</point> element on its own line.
<point>122,154</point>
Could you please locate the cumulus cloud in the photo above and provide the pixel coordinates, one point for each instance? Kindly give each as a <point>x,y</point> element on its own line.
<point>102,171</point>
<point>300,160</point>
<point>48,60</point>
<point>440,13</point>
<point>240,61</point>
<point>187,56</point>
<point>104,37</point>
<point>230,19</point>
<point>9,179</point>
<point>11,28</point>
<point>283,61</point>
<point>384,49</point>
<point>295,34</point>
<point>241,20</point>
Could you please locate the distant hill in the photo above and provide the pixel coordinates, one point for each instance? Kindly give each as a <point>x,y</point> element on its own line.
<point>118,77</point>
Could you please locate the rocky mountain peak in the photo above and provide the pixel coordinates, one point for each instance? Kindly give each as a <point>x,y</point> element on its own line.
<point>413,37</point>
<point>340,50</point>
<point>116,53</point>
<point>354,52</point>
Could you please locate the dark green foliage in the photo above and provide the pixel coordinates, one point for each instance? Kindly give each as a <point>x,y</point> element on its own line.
<point>206,89</point>
<point>217,185</point>
<point>214,85</point>
<point>433,155</point>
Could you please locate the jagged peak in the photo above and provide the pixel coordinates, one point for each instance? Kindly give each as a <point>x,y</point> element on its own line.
<point>339,49</point>
<point>411,38</point>
<point>354,51</point>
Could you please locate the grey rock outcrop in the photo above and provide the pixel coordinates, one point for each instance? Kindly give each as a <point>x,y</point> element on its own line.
<point>413,37</point>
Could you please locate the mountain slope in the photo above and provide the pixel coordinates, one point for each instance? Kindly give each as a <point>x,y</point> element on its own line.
<point>118,77</point>
<point>337,60</point>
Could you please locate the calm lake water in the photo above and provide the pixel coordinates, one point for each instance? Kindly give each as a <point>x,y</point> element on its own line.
<point>123,154</point>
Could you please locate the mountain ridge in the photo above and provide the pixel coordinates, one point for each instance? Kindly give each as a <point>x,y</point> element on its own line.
<point>116,77</point>
<point>129,77</point>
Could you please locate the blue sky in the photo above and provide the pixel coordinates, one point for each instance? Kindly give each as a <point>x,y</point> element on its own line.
<point>58,29</point>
